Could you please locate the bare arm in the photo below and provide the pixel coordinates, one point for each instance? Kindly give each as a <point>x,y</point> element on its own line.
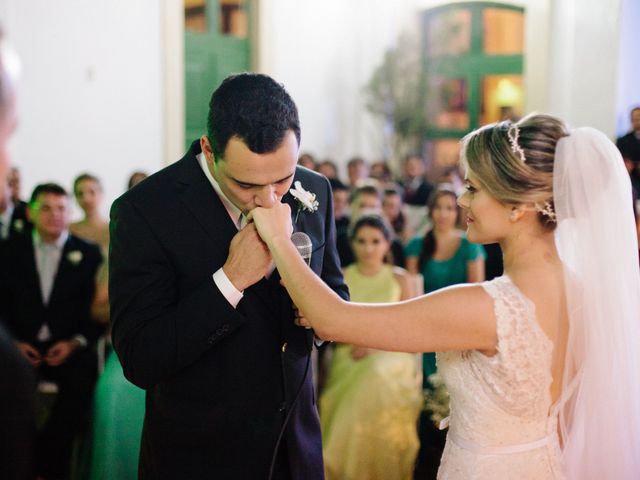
<point>457,318</point>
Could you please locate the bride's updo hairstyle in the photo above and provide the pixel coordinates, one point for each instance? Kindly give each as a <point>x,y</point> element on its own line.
<point>513,162</point>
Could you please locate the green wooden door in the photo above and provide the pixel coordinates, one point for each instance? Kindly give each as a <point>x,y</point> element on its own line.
<point>210,56</point>
<point>472,55</point>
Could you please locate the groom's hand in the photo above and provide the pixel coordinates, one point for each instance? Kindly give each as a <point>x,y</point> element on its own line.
<point>249,259</point>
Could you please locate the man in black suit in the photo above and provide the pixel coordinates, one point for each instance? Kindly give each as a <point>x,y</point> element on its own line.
<point>17,381</point>
<point>47,287</point>
<point>200,319</point>
<point>13,217</point>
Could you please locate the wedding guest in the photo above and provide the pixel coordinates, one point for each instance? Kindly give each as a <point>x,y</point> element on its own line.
<point>329,169</point>
<point>135,178</point>
<point>17,380</point>
<point>381,172</point>
<point>444,257</point>
<point>357,172</point>
<point>417,188</point>
<point>118,415</point>
<point>46,300</point>
<point>88,192</point>
<point>528,357</point>
<point>307,160</point>
<point>367,200</point>
<point>392,207</point>
<point>372,398</point>
<point>13,217</point>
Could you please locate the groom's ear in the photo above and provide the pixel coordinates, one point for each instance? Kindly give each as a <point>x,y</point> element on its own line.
<point>205,146</point>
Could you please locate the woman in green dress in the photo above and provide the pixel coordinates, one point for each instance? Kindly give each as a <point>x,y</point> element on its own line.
<point>444,257</point>
<point>372,398</point>
<point>113,447</point>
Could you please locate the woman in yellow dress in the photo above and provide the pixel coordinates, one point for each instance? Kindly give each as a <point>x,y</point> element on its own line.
<point>372,399</point>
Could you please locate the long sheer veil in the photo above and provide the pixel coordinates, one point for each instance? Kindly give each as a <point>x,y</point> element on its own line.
<point>597,241</point>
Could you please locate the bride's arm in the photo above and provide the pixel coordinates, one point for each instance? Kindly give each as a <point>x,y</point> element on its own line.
<point>456,318</point>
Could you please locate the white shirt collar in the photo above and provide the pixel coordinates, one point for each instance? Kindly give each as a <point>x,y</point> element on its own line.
<point>234,212</point>
<point>58,244</point>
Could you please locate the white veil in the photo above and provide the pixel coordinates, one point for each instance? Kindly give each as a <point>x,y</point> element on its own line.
<point>597,241</point>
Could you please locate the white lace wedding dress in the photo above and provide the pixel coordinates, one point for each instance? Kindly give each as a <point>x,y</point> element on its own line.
<point>502,423</point>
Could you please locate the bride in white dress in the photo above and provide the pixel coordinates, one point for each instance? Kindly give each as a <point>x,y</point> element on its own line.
<point>541,364</point>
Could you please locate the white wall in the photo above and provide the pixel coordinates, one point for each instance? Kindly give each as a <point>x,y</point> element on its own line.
<point>90,94</point>
<point>324,53</point>
<point>628,64</point>
<point>585,39</point>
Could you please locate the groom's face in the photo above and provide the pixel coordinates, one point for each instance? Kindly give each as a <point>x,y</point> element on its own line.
<point>251,179</point>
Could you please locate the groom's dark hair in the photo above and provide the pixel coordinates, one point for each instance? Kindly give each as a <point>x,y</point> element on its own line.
<point>255,109</point>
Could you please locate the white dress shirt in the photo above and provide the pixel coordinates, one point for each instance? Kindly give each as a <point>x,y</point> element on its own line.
<point>47,260</point>
<point>5,221</point>
<point>228,290</point>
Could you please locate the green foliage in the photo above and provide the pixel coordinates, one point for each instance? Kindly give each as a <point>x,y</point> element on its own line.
<point>393,92</point>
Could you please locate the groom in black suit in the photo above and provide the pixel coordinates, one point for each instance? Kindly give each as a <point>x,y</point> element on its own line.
<point>200,319</point>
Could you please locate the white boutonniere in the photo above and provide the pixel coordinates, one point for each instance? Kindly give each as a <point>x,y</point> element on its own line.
<point>18,225</point>
<point>74,257</point>
<point>306,200</point>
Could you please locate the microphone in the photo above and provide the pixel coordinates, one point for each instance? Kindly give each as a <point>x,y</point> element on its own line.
<point>302,242</point>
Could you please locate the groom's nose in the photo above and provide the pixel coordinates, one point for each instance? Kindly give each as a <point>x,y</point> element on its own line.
<point>266,197</point>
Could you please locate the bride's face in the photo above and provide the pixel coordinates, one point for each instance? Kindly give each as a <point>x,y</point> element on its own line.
<point>487,219</point>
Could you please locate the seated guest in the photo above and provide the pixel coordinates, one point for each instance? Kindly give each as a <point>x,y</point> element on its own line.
<point>341,214</point>
<point>328,169</point>
<point>372,399</point>
<point>357,172</point>
<point>444,257</point>
<point>380,172</point>
<point>13,217</point>
<point>15,183</point>
<point>307,160</point>
<point>629,144</point>
<point>392,207</point>
<point>414,183</point>
<point>135,178</point>
<point>46,300</point>
<point>368,200</point>
<point>87,190</point>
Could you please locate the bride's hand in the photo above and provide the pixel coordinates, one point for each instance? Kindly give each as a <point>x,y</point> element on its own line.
<point>272,222</point>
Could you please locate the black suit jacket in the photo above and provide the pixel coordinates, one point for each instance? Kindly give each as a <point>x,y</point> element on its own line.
<point>219,380</point>
<point>19,223</point>
<point>629,147</point>
<point>68,310</point>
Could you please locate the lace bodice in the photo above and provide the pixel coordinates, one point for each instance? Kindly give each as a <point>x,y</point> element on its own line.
<point>500,426</point>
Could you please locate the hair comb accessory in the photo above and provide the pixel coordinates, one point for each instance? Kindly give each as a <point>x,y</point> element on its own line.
<point>514,134</point>
<point>547,210</point>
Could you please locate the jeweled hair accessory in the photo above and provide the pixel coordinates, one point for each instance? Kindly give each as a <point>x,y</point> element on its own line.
<point>546,209</point>
<point>514,134</point>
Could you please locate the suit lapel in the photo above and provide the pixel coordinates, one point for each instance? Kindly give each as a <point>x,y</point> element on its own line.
<point>198,195</point>
<point>202,201</point>
<point>32,277</point>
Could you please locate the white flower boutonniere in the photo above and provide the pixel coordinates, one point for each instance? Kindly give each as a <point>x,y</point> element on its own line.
<point>74,257</point>
<point>306,200</point>
<point>18,225</point>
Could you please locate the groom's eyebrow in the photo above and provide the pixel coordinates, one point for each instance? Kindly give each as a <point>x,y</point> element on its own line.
<point>248,184</point>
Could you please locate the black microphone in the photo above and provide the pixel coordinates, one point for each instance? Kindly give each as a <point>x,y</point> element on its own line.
<point>303,244</point>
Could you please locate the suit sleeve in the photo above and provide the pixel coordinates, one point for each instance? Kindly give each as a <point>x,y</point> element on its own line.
<point>331,269</point>
<point>156,328</point>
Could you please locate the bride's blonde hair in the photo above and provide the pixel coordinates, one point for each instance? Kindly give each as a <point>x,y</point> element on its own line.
<point>514,161</point>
